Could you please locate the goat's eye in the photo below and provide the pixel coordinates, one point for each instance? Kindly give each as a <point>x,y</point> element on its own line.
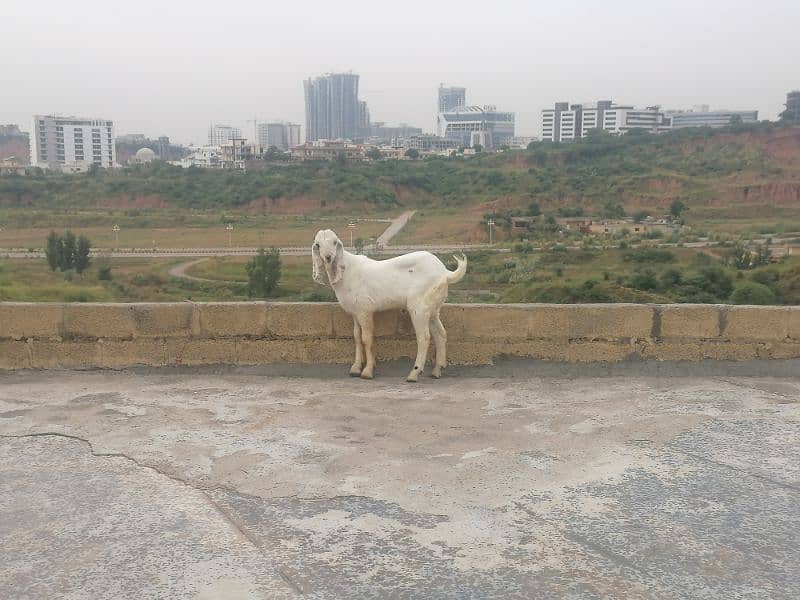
<point>316,246</point>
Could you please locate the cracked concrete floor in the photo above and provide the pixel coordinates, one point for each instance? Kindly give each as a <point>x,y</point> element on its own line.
<point>561,482</point>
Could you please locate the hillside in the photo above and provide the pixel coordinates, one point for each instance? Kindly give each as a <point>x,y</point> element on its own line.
<point>16,146</point>
<point>745,169</point>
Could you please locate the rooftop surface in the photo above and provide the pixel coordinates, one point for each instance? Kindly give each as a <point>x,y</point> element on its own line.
<point>526,481</point>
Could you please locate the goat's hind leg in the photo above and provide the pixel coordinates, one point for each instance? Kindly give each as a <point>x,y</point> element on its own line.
<point>358,363</point>
<point>440,340</point>
<point>421,321</point>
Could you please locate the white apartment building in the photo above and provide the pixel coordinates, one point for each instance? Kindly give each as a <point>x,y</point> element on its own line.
<point>218,134</point>
<point>72,144</point>
<point>568,122</point>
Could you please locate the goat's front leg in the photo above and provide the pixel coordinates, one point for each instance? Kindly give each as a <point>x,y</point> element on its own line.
<point>365,321</point>
<point>421,322</point>
<point>358,363</point>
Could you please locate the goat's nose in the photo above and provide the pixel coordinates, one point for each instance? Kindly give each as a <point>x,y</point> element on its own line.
<point>328,258</point>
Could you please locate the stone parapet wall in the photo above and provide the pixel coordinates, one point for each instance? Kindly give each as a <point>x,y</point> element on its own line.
<point>42,336</point>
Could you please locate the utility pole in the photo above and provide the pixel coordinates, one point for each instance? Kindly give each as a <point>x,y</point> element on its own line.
<point>115,229</point>
<point>229,227</point>
<point>351,226</point>
<point>490,223</point>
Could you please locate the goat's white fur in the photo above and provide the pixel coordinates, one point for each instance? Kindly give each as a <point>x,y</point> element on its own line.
<point>416,282</point>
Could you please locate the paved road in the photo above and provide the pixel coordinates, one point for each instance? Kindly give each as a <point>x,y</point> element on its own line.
<point>396,227</point>
<point>524,481</point>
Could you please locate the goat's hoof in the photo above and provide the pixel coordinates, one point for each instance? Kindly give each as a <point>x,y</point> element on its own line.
<point>366,375</point>
<point>436,373</point>
<point>413,377</point>
<point>355,371</point>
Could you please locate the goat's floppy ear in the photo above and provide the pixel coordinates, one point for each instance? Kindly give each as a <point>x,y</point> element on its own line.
<point>317,266</point>
<point>337,267</point>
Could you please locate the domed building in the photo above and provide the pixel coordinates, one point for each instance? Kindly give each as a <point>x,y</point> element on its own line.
<point>143,156</point>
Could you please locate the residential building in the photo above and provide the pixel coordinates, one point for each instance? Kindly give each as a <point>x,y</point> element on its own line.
<point>235,153</point>
<point>680,119</point>
<point>294,134</point>
<point>333,110</point>
<point>72,143</point>
<point>380,133</point>
<point>363,119</point>
<point>792,112</point>
<point>566,122</point>
<point>218,134</point>
<point>478,125</point>
<point>205,157</point>
<point>329,150</point>
<point>452,98</point>
<point>520,142</point>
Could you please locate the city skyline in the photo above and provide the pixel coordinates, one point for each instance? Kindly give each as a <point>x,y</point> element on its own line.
<point>177,82</point>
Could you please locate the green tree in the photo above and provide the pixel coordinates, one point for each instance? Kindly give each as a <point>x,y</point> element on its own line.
<point>412,153</point>
<point>477,148</point>
<point>69,247</point>
<point>677,208</point>
<point>534,209</point>
<point>82,259</point>
<point>359,245</point>
<point>51,251</point>
<point>374,154</point>
<point>612,210</point>
<point>263,273</point>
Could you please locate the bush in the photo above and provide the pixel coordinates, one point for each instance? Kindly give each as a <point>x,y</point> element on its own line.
<point>651,255</point>
<point>104,273</point>
<point>751,292</point>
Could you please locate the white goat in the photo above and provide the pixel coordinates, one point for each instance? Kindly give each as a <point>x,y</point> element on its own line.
<point>416,282</point>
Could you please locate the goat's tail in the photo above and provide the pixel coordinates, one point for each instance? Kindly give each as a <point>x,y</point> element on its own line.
<point>461,270</point>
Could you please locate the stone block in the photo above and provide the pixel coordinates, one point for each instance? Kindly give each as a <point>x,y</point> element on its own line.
<point>724,350</point>
<point>230,319</point>
<point>690,321</point>
<point>20,320</point>
<point>66,354</point>
<point>769,323</point>
<point>163,320</point>
<point>599,351</point>
<point>794,322</point>
<point>491,322</point>
<point>672,351</point>
<point>264,352</point>
<point>14,355</point>
<point>609,321</point>
<point>326,350</point>
<point>191,351</point>
<point>469,353</point>
<point>96,321</point>
<point>542,349</point>
<point>116,354</point>
<point>298,319</point>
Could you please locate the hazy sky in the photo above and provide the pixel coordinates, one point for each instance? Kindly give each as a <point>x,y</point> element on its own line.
<point>172,66</point>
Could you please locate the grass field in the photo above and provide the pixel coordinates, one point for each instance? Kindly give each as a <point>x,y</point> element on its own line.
<point>277,231</point>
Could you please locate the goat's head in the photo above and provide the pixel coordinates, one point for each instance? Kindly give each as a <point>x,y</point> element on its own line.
<point>326,256</point>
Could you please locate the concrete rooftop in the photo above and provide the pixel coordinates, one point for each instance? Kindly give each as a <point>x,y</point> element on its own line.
<point>526,481</point>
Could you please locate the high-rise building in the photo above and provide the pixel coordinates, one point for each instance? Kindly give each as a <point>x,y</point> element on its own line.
<point>566,122</point>
<point>280,134</point>
<point>72,143</point>
<point>163,147</point>
<point>333,110</point>
<point>483,125</point>
<point>218,134</point>
<point>452,99</point>
<point>792,112</point>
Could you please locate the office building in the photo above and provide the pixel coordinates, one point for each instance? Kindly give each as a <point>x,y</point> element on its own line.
<point>427,142</point>
<point>219,134</point>
<point>703,117</point>
<point>477,125</point>
<point>380,133</point>
<point>72,143</point>
<point>452,98</point>
<point>566,122</point>
<point>333,110</point>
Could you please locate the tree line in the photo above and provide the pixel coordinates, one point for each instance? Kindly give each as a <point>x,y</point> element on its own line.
<point>67,253</point>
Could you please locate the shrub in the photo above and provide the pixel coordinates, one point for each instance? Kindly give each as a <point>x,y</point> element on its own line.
<point>651,255</point>
<point>104,272</point>
<point>751,292</point>
<point>263,273</point>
